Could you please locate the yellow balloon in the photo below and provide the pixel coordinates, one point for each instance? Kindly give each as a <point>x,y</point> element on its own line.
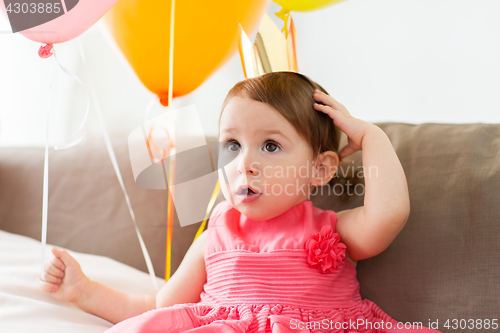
<point>205,38</point>
<point>306,5</point>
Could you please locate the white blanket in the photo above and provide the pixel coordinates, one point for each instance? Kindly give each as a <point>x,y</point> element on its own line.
<point>24,307</point>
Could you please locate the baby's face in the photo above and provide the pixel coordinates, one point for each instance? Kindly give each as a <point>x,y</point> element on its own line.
<point>267,154</point>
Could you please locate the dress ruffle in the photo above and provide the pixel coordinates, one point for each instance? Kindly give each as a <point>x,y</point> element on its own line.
<point>261,318</point>
<point>279,318</point>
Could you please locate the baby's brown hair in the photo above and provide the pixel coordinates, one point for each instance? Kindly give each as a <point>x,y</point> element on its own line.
<point>291,95</point>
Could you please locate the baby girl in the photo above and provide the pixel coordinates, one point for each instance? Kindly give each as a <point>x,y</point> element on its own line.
<point>269,260</point>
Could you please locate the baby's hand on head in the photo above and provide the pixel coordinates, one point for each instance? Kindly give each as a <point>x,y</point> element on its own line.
<point>62,277</point>
<point>354,128</point>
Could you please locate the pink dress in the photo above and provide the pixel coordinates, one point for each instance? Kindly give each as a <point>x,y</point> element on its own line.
<point>259,280</point>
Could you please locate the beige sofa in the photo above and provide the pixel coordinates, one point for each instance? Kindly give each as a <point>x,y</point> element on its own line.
<point>442,266</point>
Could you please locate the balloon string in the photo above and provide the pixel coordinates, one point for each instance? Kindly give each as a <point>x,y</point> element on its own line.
<point>170,212</point>
<point>45,193</point>
<point>78,135</point>
<point>114,162</point>
<point>153,146</point>
<point>45,52</point>
<point>171,55</point>
<point>215,193</point>
<point>283,14</point>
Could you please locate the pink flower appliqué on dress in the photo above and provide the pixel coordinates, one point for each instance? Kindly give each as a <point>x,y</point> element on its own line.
<point>324,250</point>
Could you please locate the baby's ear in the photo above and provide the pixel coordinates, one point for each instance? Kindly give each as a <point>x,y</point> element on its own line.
<point>328,162</point>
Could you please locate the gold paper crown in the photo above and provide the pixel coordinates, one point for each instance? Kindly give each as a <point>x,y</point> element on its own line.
<point>270,52</point>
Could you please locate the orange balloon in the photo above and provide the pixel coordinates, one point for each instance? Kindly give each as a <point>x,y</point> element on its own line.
<point>205,38</point>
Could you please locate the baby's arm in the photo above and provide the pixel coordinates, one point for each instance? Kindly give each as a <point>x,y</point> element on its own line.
<point>370,229</point>
<point>186,285</point>
<point>64,280</point>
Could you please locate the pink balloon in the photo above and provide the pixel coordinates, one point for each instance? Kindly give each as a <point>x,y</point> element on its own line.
<point>77,16</point>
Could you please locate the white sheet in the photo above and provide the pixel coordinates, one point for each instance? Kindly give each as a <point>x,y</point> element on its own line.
<point>24,307</point>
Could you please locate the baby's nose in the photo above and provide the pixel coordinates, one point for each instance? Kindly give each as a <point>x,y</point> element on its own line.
<point>247,164</point>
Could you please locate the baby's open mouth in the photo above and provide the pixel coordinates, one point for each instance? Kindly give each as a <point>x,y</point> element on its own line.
<point>245,190</point>
<point>246,194</point>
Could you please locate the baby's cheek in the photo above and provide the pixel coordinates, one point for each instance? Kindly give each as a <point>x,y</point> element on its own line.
<point>278,186</point>
<point>298,185</point>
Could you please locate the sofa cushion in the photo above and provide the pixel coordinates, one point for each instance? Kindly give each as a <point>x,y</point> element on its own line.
<point>87,209</point>
<point>442,265</point>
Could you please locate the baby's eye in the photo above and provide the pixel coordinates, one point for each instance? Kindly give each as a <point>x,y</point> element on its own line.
<point>232,145</point>
<point>272,146</point>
